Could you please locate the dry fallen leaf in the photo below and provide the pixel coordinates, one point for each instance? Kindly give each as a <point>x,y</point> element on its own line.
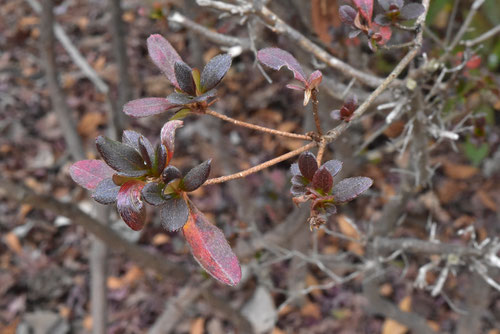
<point>487,200</point>
<point>12,241</point>
<point>393,327</point>
<point>311,310</point>
<point>197,326</point>
<point>459,172</point>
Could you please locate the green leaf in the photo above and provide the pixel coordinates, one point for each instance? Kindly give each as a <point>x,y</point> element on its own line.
<point>476,154</point>
<point>121,157</point>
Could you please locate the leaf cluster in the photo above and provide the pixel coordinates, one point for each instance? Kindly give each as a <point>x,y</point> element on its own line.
<point>314,183</point>
<point>193,89</point>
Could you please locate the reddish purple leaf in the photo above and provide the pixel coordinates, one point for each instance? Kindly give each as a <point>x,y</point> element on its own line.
<point>322,180</point>
<point>214,71</point>
<point>210,248</point>
<point>308,165</point>
<point>88,173</point>
<point>164,56</point>
<point>196,176</point>
<point>276,58</point>
<point>384,32</point>
<point>174,214</point>
<point>295,87</point>
<point>130,205</point>
<point>106,192</point>
<point>168,136</point>
<point>365,7</point>
<point>347,14</point>
<point>333,166</point>
<point>147,107</point>
<point>314,79</point>
<point>412,11</point>
<point>348,189</point>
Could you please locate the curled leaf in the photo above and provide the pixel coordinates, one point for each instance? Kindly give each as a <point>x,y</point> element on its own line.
<point>164,56</point>
<point>88,173</point>
<point>168,136</point>
<point>121,157</point>
<point>196,176</point>
<point>211,249</point>
<point>147,107</point>
<point>214,71</point>
<point>170,173</point>
<point>314,79</point>
<point>308,165</point>
<point>147,151</point>
<point>276,58</point>
<point>106,192</point>
<point>130,205</point>
<point>350,188</point>
<point>160,159</point>
<point>365,7</point>
<point>174,214</point>
<point>322,180</point>
<point>183,74</point>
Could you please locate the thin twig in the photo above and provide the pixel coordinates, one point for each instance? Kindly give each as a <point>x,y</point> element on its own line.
<point>315,102</point>
<point>261,166</point>
<point>398,46</point>
<point>257,127</point>
<point>463,29</point>
<point>490,33</point>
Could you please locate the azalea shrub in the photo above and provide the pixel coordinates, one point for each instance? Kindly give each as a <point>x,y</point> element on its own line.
<point>378,30</point>
<point>134,174</point>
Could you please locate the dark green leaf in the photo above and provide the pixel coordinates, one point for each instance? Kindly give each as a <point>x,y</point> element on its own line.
<point>147,151</point>
<point>214,71</point>
<point>106,192</point>
<point>170,173</point>
<point>179,99</point>
<point>185,78</point>
<point>308,165</point>
<point>160,159</point>
<point>206,96</point>
<point>412,11</point>
<point>196,176</point>
<point>152,193</point>
<point>131,138</point>
<point>174,214</point>
<point>322,180</point>
<point>121,157</point>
